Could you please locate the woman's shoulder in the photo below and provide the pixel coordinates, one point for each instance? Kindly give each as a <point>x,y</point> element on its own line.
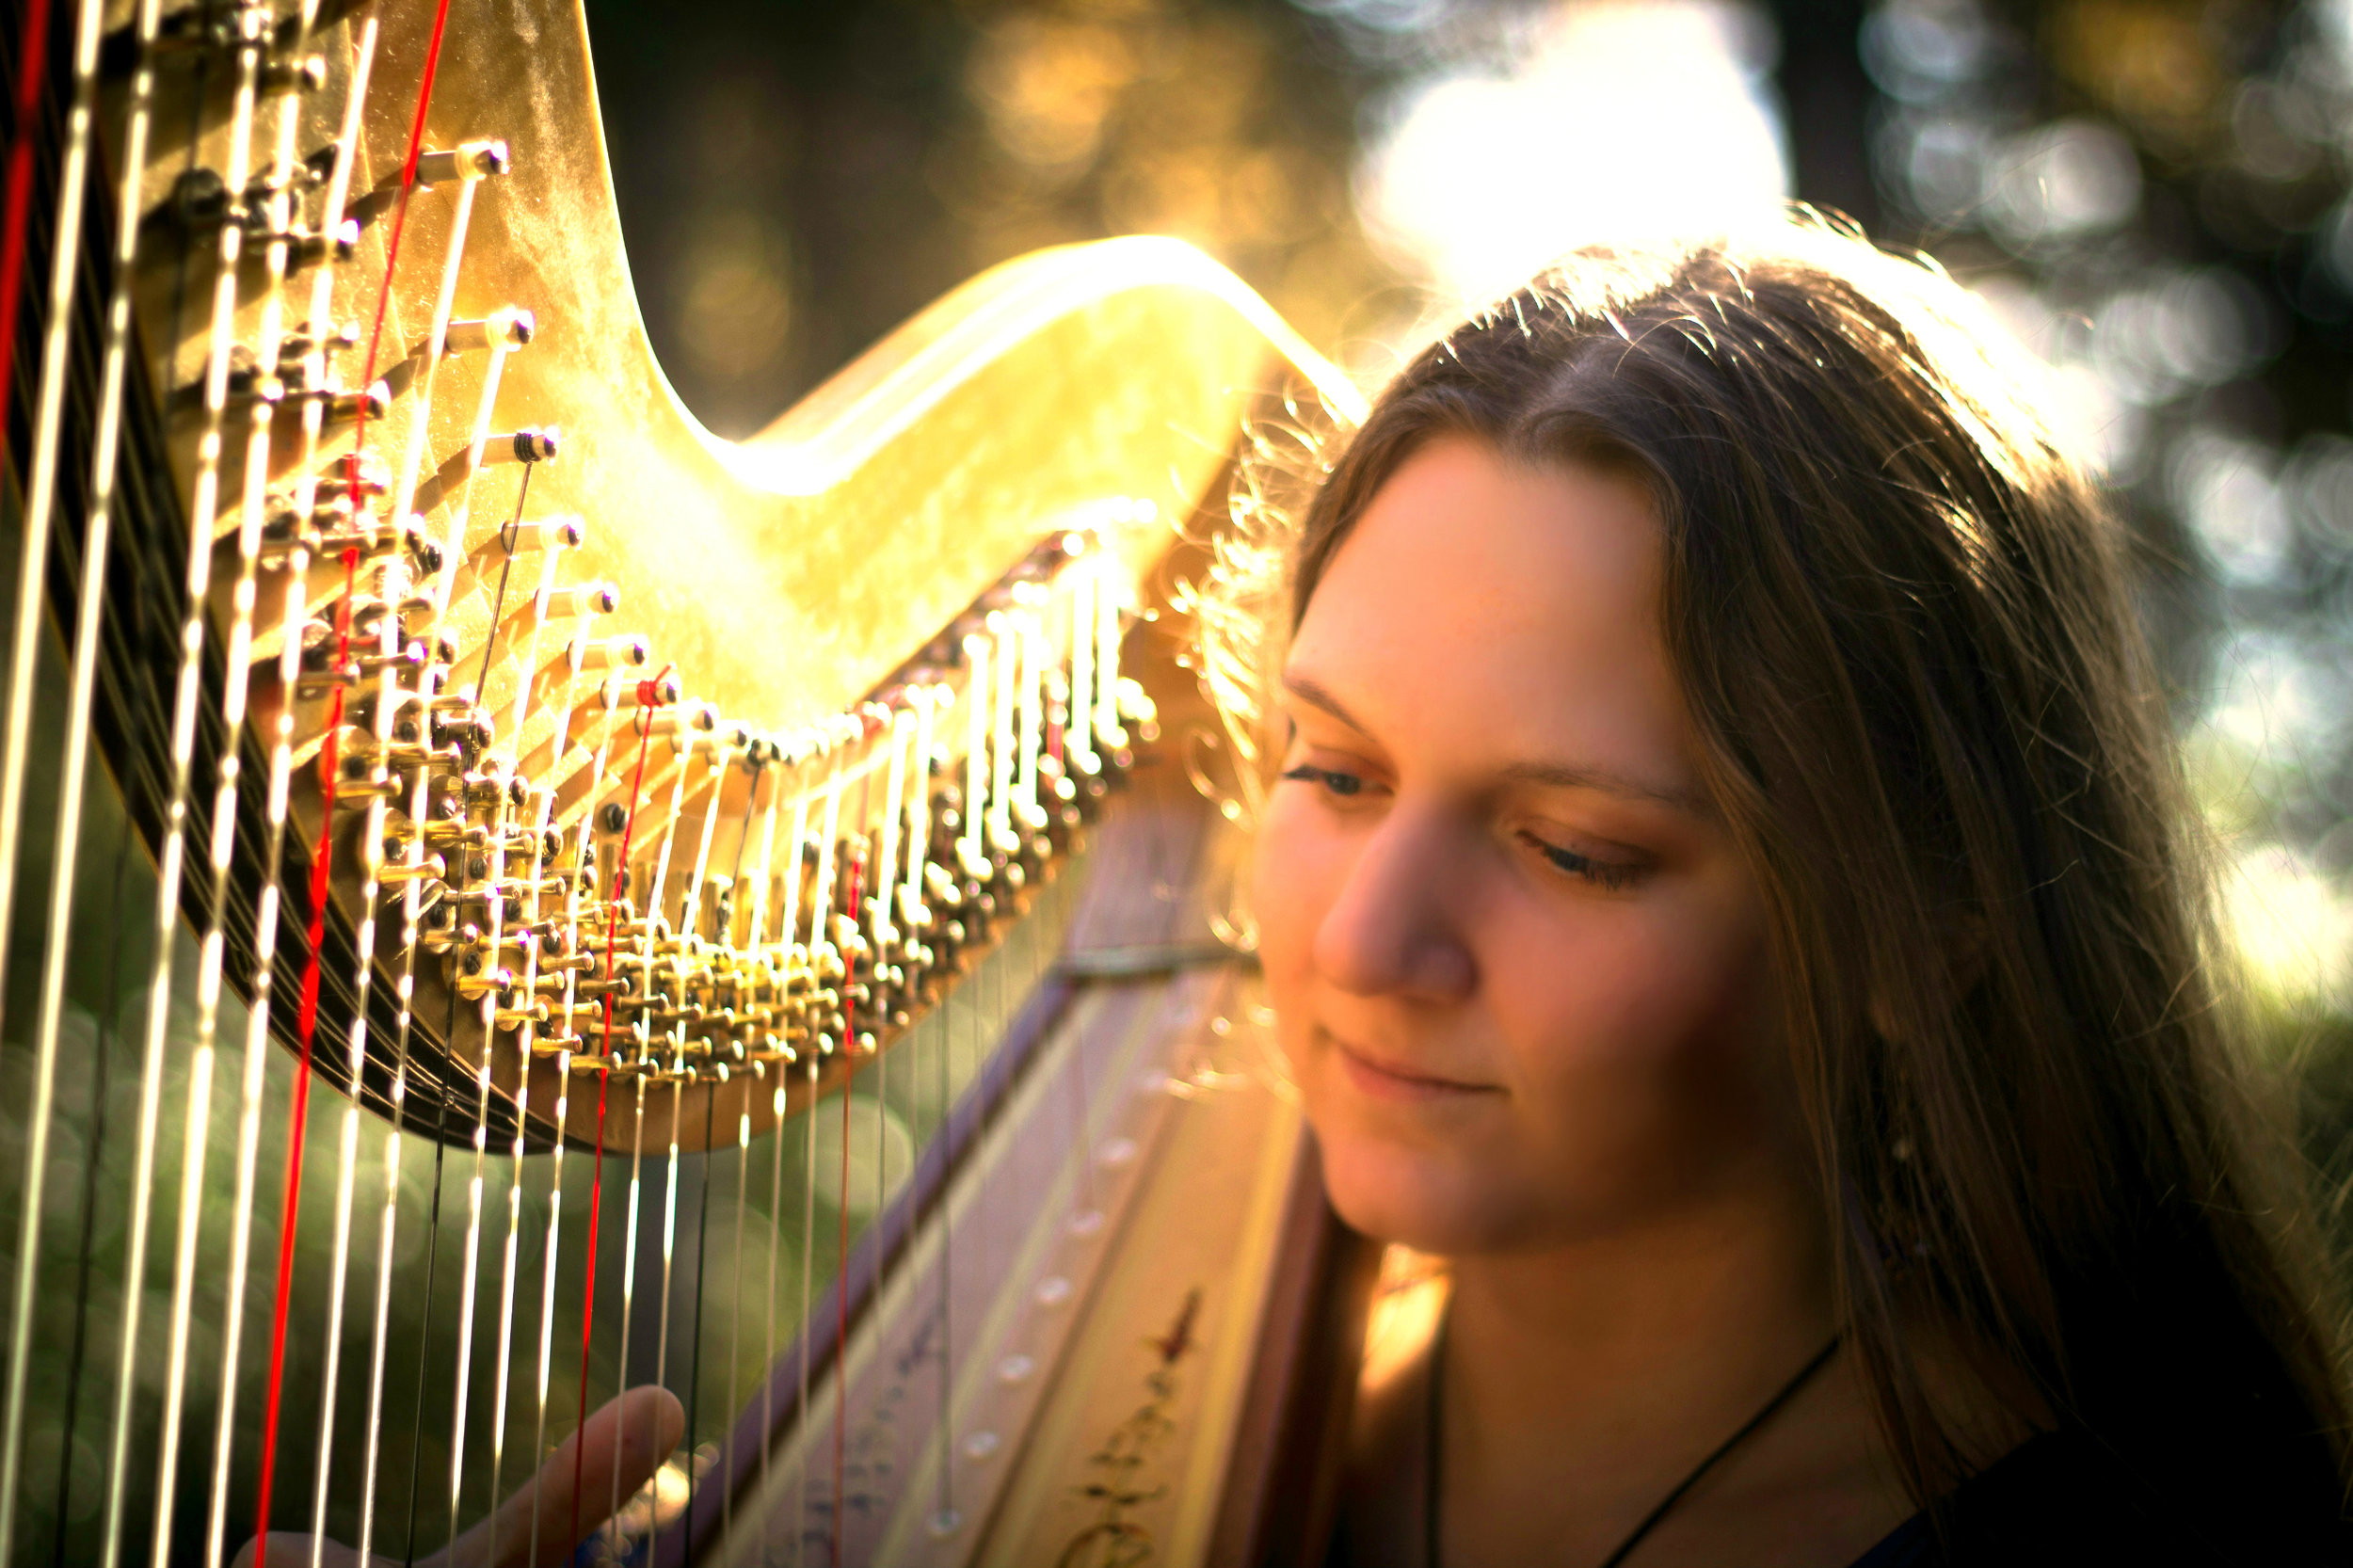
<point>2066,1497</point>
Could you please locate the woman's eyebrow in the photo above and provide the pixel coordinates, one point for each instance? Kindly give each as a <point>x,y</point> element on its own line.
<point>1565,775</point>
<point>1558,775</point>
<point>1315,694</point>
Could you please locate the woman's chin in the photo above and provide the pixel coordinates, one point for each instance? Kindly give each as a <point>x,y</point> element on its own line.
<point>1414,1201</point>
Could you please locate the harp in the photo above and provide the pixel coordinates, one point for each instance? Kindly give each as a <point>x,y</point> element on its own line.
<point>508,897</point>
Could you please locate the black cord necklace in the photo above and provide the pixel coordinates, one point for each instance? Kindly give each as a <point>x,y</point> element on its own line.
<point>1650,1521</point>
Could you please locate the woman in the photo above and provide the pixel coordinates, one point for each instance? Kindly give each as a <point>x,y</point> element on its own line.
<point>1729,894</point>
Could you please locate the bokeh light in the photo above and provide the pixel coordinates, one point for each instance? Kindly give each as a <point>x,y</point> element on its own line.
<point>1603,123</point>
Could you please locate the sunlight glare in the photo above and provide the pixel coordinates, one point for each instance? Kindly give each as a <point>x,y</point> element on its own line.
<point>1612,121</point>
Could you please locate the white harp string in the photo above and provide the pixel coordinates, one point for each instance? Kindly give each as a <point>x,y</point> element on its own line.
<point>78,704</point>
<point>40,499</point>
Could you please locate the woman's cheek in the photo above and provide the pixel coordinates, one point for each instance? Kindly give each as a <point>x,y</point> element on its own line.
<point>1295,858</point>
<point>1641,1048</point>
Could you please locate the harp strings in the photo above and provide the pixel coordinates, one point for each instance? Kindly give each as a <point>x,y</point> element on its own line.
<point>305,496</point>
<point>852,839</point>
<point>689,927</point>
<point>628,1263</point>
<point>40,497</point>
<point>866,881</point>
<point>735,1292</point>
<point>387,710</point>
<point>671,1171</point>
<point>391,582</point>
<point>528,1048</point>
<point>235,176</point>
<point>604,1083</point>
<point>945,1519</point>
<point>775,1228</point>
<point>296,565</point>
<point>527,1035</point>
<point>510,792</point>
<point>569,954</point>
<point>103,456</point>
<point>856,867</point>
<point>808,1212</point>
<point>725,919</point>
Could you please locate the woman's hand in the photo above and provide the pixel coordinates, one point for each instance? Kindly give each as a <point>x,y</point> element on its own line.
<point>644,1424</point>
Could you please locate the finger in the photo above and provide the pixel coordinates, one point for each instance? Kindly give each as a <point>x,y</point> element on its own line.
<point>643,1424</point>
<point>289,1550</point>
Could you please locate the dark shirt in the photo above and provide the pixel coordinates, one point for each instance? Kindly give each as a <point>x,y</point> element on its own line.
<point>2061,1498</point>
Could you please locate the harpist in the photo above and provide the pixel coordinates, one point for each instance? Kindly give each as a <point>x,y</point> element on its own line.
<point>1729,894</point>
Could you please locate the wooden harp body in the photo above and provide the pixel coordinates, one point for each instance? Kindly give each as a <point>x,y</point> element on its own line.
<point>510,897</point>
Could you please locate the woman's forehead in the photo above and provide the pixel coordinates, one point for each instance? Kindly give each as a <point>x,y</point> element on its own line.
<point>1498,608</point>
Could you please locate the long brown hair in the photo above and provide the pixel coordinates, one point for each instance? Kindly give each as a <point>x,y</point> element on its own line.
<point>1900,615</point>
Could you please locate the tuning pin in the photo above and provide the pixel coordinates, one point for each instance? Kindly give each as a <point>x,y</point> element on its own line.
<point>510,327</point>
<point>469,731</point>
<point>661,692</point>
<point>304,339</point>
<point>692,719</point>
<point>306,73</point>
<point>362,470</point>
<point>307,248</point>
<point>473,160</point>
<point>516,1017</point>
<point>730,736</point>
<point>432,868</point>
<point>564,531</point>
<point>477,980</point>
<point>342,407</point>
<point>585,599</point>
<point>527,445</point>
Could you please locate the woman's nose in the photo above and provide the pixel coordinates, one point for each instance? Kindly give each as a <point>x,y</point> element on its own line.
<point>1389,930</point>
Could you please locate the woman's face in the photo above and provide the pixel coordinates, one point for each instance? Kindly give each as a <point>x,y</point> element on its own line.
<point>1519,969</point>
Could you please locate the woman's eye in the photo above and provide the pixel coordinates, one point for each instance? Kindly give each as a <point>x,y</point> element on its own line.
<point>1608,874</point>
<point>1331,779</point>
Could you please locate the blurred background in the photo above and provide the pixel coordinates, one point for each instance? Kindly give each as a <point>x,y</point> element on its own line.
<point>2153,193</point>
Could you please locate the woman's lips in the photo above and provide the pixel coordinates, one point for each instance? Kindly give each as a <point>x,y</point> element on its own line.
<point>1389,1081</point>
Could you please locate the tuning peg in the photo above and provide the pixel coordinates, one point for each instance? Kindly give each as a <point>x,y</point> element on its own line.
<point>473,160</point>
